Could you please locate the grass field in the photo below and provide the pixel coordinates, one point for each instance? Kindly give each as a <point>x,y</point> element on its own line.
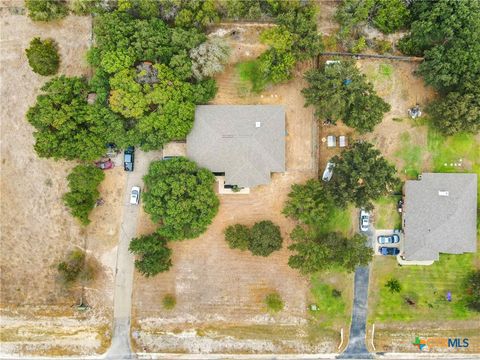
<point>426,286</point>
<point>332,293</point>
<point>411,155</point>
<point>339,220</point>
<point>386,214</point>
<point>252,79</point>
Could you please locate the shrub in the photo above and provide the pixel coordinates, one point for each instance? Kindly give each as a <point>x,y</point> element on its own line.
<point>84,7</point>
<point>383,46</point>
<point>265,238</point>
<point>274,302</point>
<point>169,302</point>
<point>43,56</point>
<point>83,182</point>
<point>76,267</point>
<point>153,254</point>
<point>472,290</point>
<point>237,236</point>
<point>393,285</point>
<point>46,10</point>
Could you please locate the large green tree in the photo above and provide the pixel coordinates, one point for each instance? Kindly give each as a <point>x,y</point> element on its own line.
<point>457,111</point>
<point>341,91</point>
<point>179,195</point>
<point>361,176</point>
<point>83,182</point>
<point>310,203</point>
<point>447,34</point>
<point>153,255</point>
<point>67,127</point>
<point>328,251</point>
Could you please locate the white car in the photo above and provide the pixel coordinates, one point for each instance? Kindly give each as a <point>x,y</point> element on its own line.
<point>364,220</point>
<point>328,172</point>
<point>135,195</point>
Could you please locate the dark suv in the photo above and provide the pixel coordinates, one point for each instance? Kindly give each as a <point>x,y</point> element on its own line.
<point>128,158</point>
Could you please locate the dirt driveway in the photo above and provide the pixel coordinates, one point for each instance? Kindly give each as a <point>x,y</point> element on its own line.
<point>37,230</point>
<point>219,291</point>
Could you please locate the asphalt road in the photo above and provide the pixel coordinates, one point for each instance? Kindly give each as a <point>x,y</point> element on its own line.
<point>356,348</point>
<point>122,298</point>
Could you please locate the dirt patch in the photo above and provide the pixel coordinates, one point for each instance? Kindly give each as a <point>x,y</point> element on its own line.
<point>219,291</point>
<point>37,230</point>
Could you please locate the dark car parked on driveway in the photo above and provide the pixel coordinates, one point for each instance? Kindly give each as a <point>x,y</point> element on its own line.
<point>128,158</point>
<point>388,250</point>
<point>388,239</point>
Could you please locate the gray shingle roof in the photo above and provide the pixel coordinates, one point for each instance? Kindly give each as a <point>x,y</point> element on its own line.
<point>440,215</point>
<point>227,138</point>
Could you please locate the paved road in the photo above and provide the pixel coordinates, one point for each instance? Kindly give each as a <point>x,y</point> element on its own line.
<point>356,348</point>
<point>122,298</point>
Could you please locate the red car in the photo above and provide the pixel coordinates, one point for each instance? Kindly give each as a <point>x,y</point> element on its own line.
<point>105,165</point>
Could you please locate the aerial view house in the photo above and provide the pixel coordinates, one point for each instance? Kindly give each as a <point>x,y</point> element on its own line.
<point>440,216</point>
<point>241,144</point>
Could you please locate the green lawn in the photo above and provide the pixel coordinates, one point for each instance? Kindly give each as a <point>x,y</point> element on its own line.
<point>427,286</point>
<point>332,293</point>
<point>251,77</point>
<point>411,155</point>
<point>339,220</point>
<point>386,214</point>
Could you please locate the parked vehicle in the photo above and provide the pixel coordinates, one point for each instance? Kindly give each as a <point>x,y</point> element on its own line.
<point>400,206</point>
<point>388,239</point>
<point>328,172</point>
<point>364,220</point>
<point>128,158</point>
<point>135,195</point>
<point>105,164</point>
<point>388,250</point>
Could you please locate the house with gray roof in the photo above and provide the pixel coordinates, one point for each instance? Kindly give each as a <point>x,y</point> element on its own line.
<point>246,143</point>
<point>439,216</point>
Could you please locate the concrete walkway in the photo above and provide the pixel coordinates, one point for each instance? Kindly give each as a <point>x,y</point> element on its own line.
<point>122,298</point>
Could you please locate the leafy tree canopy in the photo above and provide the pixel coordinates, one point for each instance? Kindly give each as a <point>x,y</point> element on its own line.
<point>328,251</point>
<point>265,238</point>
<point>341,91</point>
<point>447,34</point>
<point>310,203</point>
<point>387,16</point>
<point>46,10</point>
<point>43,56</point>
<point>179,195</point>
<point>83,182</point>
<point>67,127</point>
<point>163,104</point>
<point>457,111</point>
<point>122,40</point>
<point>209,57</point>
<point>153,255</point>
<point>361,175</point>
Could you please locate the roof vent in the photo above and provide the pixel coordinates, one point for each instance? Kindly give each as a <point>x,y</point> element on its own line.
<point>442,193</point>
<point>258,124</point>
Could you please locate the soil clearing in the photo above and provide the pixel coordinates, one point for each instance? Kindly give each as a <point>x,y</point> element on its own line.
<point>220,292</point>
<point>38,315</point>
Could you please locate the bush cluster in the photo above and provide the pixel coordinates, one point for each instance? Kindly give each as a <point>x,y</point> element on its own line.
<point>43,56</point>
<point>262,239</point>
